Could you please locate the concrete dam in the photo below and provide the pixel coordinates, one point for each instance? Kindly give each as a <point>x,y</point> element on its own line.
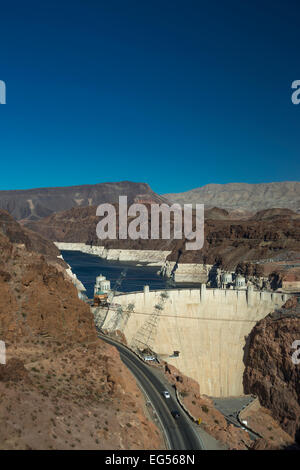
<point>209,328</point>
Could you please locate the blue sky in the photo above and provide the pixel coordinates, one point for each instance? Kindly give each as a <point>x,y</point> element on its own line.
<point>174,93</point>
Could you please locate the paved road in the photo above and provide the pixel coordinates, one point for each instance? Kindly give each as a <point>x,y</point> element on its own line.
<point>230,408</point>
<point>179,433</point>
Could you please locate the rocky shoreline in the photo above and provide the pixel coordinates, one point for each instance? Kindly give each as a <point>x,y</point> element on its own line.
<point>151,257</point>
<point>180,272</point>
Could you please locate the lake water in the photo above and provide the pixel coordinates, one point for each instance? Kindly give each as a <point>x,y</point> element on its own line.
<point>123,276</point>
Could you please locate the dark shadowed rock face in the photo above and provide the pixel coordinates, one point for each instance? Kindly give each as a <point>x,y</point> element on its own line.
<point>270,372</point>
<point>13,371</point>
<point>22,236</point>
<point>32,204</point>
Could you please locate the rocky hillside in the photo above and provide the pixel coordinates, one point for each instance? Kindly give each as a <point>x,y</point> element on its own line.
<point>270,372</point>
<point>32,204</point>
<point>78,225</point>
<point>248,197</point>
<point>227,242</point>
<point>23,237</point>
<point>61,387</point>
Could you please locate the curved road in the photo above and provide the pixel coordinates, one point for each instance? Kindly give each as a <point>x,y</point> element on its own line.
<point>180,434</point>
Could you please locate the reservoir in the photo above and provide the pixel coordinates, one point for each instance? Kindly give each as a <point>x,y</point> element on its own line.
<point>131,277</point>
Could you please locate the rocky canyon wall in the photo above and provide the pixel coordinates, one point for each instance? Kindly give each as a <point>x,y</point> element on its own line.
<point>270,372</point>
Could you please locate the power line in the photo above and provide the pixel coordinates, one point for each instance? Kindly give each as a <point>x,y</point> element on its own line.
<point>146,334</point>
<point>191,318</point>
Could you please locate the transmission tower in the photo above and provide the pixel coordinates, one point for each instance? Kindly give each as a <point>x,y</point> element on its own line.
<point>110,298</point>
<point>146,334</point>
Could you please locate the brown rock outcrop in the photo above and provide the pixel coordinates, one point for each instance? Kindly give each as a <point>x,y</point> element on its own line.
<point>270,372</point>
<point>25,238</point>
<point>13,371</point>
<point>61,387</point>
<point>260,421</point>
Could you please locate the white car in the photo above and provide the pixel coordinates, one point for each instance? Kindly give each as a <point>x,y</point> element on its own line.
<point>166,394</point>
<point>149,358</point>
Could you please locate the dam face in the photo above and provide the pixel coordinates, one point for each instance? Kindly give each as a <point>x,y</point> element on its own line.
<point>209,328</point>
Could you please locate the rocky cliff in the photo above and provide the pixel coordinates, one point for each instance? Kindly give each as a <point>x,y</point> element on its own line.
<point>270,234</point>
<point>229,242</point>
<point>78,225</point>
<point>23,237</point>
<point>270,372</point>
<point>61,387</point>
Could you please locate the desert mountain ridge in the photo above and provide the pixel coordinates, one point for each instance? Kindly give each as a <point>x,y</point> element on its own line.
<point>33,204</point>
<point>243,196</point>
<point>242,200</point>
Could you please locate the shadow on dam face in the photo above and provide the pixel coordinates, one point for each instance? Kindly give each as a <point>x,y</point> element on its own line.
<point>210,328</point>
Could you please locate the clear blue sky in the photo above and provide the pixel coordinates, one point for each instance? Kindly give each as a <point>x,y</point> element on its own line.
<point>174,93</point>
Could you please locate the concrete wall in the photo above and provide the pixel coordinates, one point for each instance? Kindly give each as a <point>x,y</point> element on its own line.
<point>186,272</point>
<point>291,285</point>
<point>192,272</point>
<point>207,326</point>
